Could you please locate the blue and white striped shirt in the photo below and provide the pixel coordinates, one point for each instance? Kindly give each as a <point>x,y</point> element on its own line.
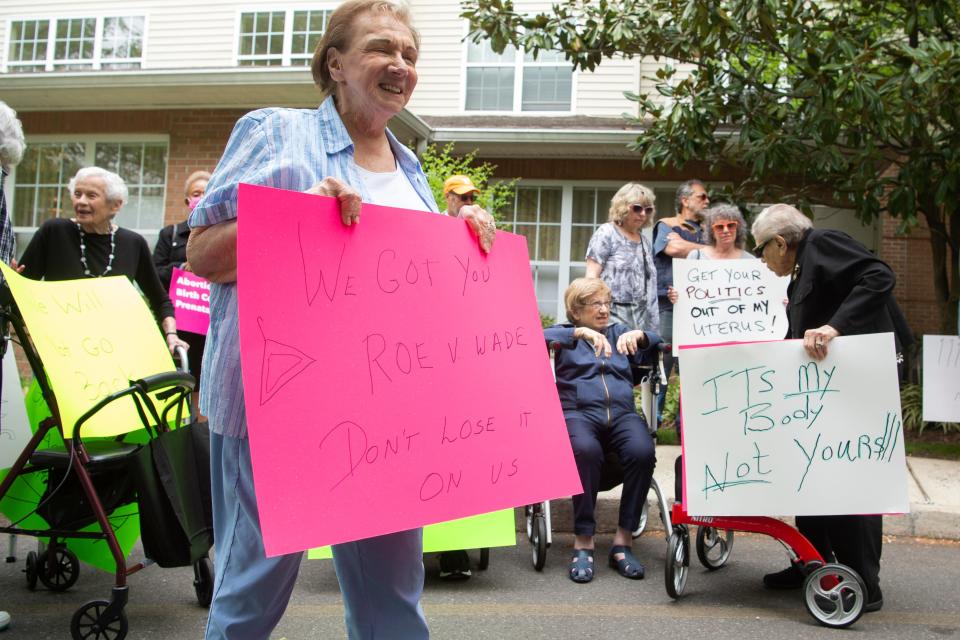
<point>287,149</point>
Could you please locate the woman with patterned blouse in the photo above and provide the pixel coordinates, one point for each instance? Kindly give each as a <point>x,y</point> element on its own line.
<point>623,258</point>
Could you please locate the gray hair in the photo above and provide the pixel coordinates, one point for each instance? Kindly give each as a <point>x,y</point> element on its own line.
<point>724,212</point>
<point>12,143</point>
<point>781,220</point>
<point>625,196</point>
<point>685,190</point>
<point>116,188</point>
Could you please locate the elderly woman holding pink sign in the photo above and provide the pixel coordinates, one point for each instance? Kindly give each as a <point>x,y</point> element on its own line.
<point>366,66</point>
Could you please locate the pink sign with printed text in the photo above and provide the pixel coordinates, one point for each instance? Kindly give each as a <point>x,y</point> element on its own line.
<point>394,374</point>
<point>190,295</point>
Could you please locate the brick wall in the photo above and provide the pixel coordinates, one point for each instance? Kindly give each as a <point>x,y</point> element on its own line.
<point>198,136</point>
<point>910,257</point>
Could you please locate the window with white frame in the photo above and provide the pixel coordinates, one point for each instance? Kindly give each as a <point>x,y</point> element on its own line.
<point>280,37</point>
<point>76,44</point>
<point>39,185</point>
<point>558,220</point>
<point>516,81</point>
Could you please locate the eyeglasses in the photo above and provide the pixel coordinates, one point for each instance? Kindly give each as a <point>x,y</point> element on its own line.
<point>639,208</point>
<point>467,197</point>
<point>758,250</point>
<point>700,196</point>
<point>599,304</point>
<point>723,226</point>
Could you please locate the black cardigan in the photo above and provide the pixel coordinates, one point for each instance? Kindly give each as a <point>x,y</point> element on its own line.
<point>171,251</point>
<point>54,254</point>
<point>840,283</point>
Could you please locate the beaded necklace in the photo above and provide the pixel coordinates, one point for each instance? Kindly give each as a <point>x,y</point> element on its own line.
<point>83,252</point>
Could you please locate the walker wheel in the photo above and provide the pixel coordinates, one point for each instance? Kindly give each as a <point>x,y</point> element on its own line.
<point>678,561</point>
<point>644,515</point>
<point>528,516</point>
<point>31,570</point>
<point>64,570</point>
<point>834,595</point>
<point>714,546</point>
<point>87,623</point>
<point>203,581</point>
<point>539,541</point>
<point>484,559</point>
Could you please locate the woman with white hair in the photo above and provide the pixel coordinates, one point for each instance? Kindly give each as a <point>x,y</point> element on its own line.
<point>11,150</point>
<point>619,255</point>
<point>837,287</point>
<point>91,245</point>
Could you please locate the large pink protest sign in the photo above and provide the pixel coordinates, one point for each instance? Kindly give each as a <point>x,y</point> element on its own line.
<point>395,375</point>
<point>190,295</point>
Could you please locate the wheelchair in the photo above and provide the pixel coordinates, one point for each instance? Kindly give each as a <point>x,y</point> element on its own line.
<point>649,380</point>
<point>80,480</point>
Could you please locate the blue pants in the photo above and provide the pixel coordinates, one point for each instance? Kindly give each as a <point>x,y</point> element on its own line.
<point>628,437</point>
<point>381,578</point>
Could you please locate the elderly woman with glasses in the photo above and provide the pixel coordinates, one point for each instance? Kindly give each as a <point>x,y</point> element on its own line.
<point>622,257</point>
<point>725,232</point>
<point>837,287</point>
<point>595,384</point>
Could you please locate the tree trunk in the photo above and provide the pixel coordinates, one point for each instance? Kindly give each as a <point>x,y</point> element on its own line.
<point>944,265</point>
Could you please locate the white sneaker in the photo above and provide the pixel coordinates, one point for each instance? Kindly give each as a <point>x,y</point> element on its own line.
<point>4,620</point>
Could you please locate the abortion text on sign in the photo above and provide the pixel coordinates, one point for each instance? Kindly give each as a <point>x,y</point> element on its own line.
<point>394,375</point>
<point>941,378</point>
<point>769,431</point>
<point>190,295</point>
<point>722,301</point>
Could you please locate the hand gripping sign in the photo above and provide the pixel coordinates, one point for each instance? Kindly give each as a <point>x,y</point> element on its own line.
<point>394,375</point>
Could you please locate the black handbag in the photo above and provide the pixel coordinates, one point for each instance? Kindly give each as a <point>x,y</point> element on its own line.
<point>172,476</point>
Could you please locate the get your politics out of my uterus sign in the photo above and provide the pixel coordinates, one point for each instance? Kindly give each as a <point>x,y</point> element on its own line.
<point>395,376</point>
<point>721,301</point>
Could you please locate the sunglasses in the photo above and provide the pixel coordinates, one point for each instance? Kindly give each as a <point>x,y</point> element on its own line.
<point>639,208</point>
<point>723,226</point>
<point>700,196</point>
<point>758,250</point>
<point>467,197</point>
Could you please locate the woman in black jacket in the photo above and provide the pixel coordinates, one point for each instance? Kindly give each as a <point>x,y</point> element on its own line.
<point>171,252</point>
<point>91,245</point>
<point>837,288</point>
<point>595,384</point>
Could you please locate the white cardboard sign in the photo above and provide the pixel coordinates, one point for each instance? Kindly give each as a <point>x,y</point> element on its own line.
<point>767,430</point>
<point>14,426</point>
<point>941,378</point>
<point>722,301</point>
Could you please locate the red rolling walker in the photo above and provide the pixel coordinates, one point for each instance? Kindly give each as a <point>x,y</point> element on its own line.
<point>833,593</point>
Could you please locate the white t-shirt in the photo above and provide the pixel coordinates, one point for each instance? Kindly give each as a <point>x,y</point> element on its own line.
<point>392,189</point>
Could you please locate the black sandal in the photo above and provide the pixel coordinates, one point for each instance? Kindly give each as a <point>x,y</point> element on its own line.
<point>628,566</point>
<point>581,566</point>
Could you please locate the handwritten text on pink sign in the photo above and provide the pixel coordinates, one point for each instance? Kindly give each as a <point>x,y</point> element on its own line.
<point>395,376</point>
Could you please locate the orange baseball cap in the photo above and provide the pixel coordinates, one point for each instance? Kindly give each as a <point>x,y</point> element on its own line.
<point>459,185</point>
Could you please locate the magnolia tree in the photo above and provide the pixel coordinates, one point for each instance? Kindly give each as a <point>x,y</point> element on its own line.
<point>852,104</point>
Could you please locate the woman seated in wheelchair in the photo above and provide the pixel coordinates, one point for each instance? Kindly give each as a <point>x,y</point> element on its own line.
<point>594,362</point>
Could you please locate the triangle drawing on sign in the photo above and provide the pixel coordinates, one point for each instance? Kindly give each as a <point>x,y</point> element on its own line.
<point>281,363</point>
